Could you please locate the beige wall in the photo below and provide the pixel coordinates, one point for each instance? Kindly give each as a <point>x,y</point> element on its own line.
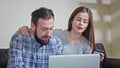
<point>115,29</point>
<point>106,14</point>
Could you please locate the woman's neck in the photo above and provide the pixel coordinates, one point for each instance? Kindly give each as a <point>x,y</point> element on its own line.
<point>74,37</point>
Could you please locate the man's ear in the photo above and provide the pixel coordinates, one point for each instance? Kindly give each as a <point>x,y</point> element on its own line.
<point>32,26</point>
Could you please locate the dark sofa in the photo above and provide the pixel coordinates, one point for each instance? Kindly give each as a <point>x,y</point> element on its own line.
<point>107,63</point>
<point>3,58</point>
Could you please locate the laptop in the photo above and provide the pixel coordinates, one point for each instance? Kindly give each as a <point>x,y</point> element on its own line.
<point>74,61</point>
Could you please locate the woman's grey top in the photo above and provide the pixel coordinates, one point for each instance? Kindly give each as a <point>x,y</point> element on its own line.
<point>83,47</point>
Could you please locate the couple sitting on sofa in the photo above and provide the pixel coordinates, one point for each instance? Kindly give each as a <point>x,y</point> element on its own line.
<point>77,39</point>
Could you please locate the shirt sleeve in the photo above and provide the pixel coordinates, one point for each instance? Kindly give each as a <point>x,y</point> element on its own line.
<point>15,52</point>
<point>59,46</point>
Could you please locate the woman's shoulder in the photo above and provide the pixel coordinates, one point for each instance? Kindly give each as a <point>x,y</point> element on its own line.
<point>59,32</point>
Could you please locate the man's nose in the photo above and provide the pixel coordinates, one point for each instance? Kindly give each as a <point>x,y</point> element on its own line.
<point>48,32</point>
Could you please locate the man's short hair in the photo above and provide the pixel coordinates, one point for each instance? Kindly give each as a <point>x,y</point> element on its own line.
<point>43,13</point>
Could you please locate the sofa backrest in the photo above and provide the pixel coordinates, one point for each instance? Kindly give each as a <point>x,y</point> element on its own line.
<point>3,58</point>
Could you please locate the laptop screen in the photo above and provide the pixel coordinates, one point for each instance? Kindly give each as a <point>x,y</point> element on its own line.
<point>74,61</point>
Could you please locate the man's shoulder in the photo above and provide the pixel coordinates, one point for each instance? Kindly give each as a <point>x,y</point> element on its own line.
<point>55,39</point>
<point>18,36</point>
<point>20,39</point>
<point>55,42</point>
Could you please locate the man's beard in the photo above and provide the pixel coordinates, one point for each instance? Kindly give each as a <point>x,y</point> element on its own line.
<point>40,41</point>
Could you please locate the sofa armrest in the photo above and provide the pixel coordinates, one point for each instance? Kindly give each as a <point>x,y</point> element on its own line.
<point>108,62</point>
<point>3,58</point>
<point>111,63</point>
<point>100,48</point>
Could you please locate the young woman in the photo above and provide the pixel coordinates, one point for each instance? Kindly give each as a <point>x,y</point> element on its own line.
<point>79,36</point>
